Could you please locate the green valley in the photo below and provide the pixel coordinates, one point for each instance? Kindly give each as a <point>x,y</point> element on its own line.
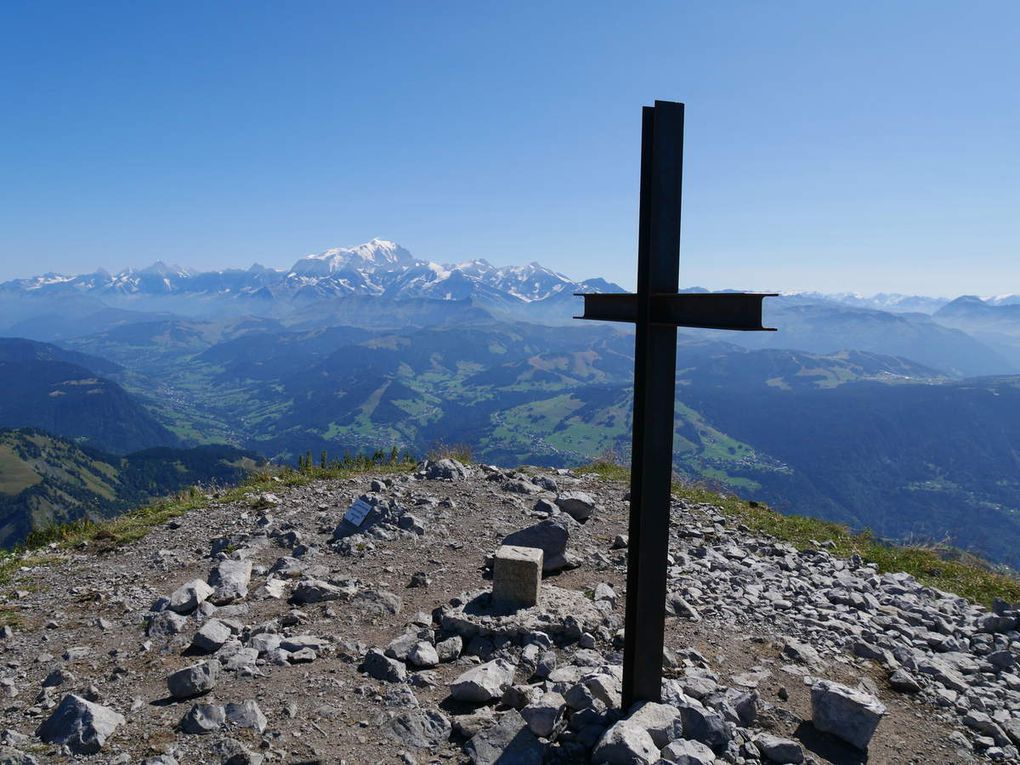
<point>46,480</point>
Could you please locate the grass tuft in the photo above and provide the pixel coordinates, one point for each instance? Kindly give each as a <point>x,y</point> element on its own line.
<point>939,566</point>
<point>107,535</point>
<point>443,451</point>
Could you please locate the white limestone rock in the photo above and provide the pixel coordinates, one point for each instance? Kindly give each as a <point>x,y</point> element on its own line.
<point>483,683</point>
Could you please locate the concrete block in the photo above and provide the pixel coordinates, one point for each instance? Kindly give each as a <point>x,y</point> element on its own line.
<point>517,576</point>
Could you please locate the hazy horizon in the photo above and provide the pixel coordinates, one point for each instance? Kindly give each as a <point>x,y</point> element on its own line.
<point>284,267</point>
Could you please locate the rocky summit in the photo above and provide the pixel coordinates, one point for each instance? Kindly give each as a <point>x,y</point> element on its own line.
<point>276,630</point>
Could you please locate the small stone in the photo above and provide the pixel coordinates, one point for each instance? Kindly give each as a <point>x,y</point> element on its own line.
<point>315,591</point>
<point>604,592</point>
<point>194,680</point>
<point>11,756</point>
<point>380,666</point>
<point>412,523</point>
<point>801,652</point>
<point>423,655</point>
<point>419,579</point>
<point>57,677</point>
<point>542,507</point>
<point>904,682</point>
<point>166,623</point>
<point>189,596</point>
<point>236,753</point>
<point>203,718</point>
<point>246,715</point>
<point>450,649</point>
<point>400,647</point>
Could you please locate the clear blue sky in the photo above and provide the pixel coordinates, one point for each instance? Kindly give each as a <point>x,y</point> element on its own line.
<point>861,146</point>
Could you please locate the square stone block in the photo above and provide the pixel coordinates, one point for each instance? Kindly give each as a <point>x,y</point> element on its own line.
<point>516,576</point>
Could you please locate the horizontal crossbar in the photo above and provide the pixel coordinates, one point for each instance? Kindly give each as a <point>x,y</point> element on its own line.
<point>704,310</point>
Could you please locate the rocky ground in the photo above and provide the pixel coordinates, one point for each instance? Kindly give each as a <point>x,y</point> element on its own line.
<point>273,631</point>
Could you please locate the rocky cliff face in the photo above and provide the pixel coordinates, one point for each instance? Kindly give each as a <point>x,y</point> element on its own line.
<point>278,630</point>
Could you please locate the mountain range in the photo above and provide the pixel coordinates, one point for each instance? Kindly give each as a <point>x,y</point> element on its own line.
<point>895,413</point>
<point>379,268</point>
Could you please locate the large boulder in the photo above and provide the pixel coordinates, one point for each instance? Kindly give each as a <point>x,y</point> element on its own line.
<point>779,750</point>
<point>420,728</point>
<point>550,536</point>
<point>661,721</point>
<point>229,580</point>
<point>847,713</point>
<point>577,504</point>
<point>704,725</point>
<point>80,725</point>
<point>483,683</point>
<point>508,741</point>
<point>625,744</point>
<point>446,469</point>
<point>688,752</point>
<point>211,636</point>
<point>546,714</point>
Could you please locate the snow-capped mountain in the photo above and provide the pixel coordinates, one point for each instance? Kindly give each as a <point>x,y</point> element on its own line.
<point>379,253</point>
<point>376,268</point>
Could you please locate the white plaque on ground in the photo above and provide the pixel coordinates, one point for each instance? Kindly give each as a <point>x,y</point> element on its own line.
<point>356,513</point>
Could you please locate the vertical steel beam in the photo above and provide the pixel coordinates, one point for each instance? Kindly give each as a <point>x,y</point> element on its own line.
<point>654,391</point>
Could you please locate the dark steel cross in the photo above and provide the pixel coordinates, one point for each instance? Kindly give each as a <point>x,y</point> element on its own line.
<point>657,310</point>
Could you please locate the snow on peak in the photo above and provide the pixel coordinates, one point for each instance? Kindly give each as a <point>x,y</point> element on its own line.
<point>374,254</point>
<point>160,268</point>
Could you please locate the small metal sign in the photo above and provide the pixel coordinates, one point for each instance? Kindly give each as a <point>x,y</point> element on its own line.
<point>356,513</point>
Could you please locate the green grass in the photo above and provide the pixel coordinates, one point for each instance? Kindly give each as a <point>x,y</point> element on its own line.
<point>16,475</point>
<point>9,617</point>
<point>942,567</point>
<point>106,535</point>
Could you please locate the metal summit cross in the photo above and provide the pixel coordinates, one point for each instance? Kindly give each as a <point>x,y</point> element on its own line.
<point>657,310</point>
